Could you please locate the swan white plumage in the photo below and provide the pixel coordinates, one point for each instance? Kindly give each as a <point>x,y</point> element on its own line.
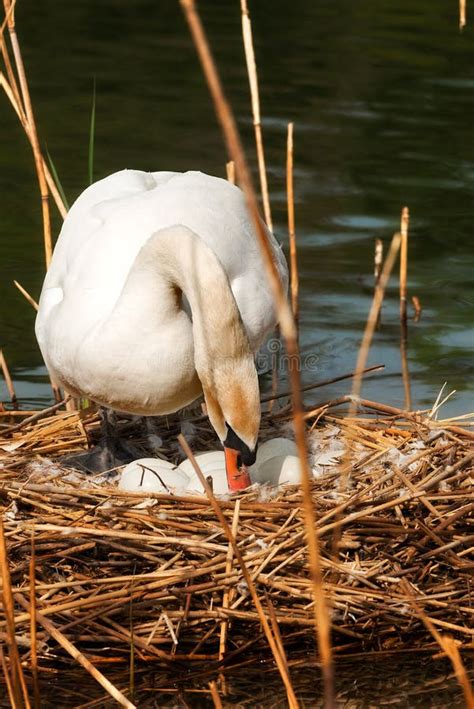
<point>156,293</point>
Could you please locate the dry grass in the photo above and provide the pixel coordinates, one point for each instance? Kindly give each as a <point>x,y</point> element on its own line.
<point>105,565</point>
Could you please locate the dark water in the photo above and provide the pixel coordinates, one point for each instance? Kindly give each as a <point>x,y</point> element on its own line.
<point>382,95</point>
<point>403,681</point>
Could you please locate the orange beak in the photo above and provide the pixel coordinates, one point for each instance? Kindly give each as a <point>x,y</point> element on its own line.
<point>237,474</point>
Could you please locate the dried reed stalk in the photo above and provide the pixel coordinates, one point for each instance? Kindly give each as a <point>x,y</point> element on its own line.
<point>378,260</point>
<point>254,93</point>
<point>462,14</point>
<point>403,262</point>
<point>294,278</point>
<point>227,593</point>
<point>288,329</point>
<point>215,695</point>
<point>34,649</point>
<point>31,127</point>
<point>417,307</point>
<point>447,644</point>
<point>403,306</point>
<point>280,658</point>
<point>18,684</point>
<point>230,170</point>
<point>12,83</point>
<point>37,416</point>
<point>77,655</point>
<point>8,380</point>
<point>96,551</point>
<point>26,295</point>
<point>8,682</point>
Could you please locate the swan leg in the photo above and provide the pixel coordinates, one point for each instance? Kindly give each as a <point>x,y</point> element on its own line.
<point>109,453</point>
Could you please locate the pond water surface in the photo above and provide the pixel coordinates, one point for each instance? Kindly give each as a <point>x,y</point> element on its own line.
<point>382,96</point>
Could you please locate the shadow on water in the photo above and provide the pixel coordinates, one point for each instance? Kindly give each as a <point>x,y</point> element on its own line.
<point>382,98</point>
<point>403,681</point>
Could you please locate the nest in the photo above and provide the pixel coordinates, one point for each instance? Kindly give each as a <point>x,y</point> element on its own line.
<point>116,572</point>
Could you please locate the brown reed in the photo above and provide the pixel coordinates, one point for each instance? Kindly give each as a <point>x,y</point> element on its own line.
<point>8,380</point>
<point>404,222</point>
<point>230,170</point>
<point>290,198</point>
<point>27,110</point>
<point>215,695</point>
<point>378,260</point>
<point>448,645</point>
<point>462,14</point>
<point>7,680</point>
<point>26,295</point>
<point>60,638</point>
<point>17,681</point>
<point>33,636</point>
<point>255,98</point>
<point>417,307</point>
<point>288,330</point>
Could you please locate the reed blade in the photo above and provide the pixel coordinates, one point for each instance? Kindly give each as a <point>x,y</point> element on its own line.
<point>90,157</point>
<point>57,181</point>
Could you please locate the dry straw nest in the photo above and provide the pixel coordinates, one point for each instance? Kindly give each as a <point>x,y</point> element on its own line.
<point>112,572</point>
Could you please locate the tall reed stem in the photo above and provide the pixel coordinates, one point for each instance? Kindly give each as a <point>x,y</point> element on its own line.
<point>26,295</point>
<point>230,170</point>
<point>404,222</point>
<point>18,684</point>
<point>34,651</point>
<point>462,14</point>
<point>9,69</point>
<point>254,93</point>
<point>48,246</point>
<point>294,280</point>
<point>403,262</point>
<point>288,328</point>
<point>8,380</point>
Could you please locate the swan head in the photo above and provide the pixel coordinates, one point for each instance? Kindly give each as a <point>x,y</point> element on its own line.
<point>233,406</point>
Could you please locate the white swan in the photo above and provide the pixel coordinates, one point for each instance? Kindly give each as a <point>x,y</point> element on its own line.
<point>157,293</point>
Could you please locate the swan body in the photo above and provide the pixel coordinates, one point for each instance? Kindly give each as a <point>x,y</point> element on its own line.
<point>156,293</point>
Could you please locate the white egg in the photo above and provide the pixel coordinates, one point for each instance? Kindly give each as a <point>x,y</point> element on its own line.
<point>278,470</point>
<point>212,465</point>
<point>272,448</point>
<point>153,475</point>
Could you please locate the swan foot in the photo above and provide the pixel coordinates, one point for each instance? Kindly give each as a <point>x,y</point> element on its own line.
<point>101,458</point>
<point>110,452</point>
